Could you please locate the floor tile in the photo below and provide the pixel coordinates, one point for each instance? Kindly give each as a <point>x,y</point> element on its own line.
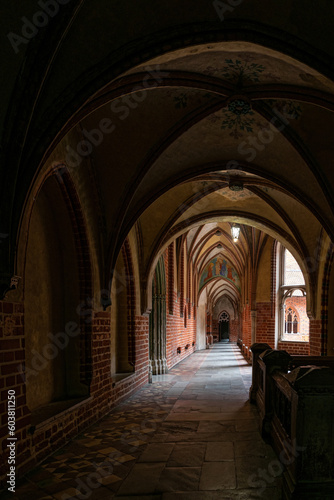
<point>250,448</point>
<point>218,452</point>
<point>190,435</point>
<point>142,479</point>
<point>218,476</point>
<point>187,455</point>
<point>139,497</point>
<point>218,427</point>
<point>245,494</point>
<point>179,479</point>
<point>157,452</point>
<point>249,473</point>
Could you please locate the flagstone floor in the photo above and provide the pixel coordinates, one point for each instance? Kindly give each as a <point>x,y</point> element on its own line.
<point>190,435</point>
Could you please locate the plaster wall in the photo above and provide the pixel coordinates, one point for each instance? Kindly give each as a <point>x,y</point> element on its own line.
<point>51,299</point>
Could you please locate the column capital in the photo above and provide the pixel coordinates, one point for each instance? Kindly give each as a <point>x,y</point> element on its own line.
<point>8,285</point>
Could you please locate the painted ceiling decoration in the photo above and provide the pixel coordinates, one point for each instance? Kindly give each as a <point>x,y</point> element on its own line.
<point>181,100</point>
<point>186,128</point>
<point>219,267</point>
<point>187,97</point>
<point>240,72</point>
<point>238,118</point>
<point>289,109</point>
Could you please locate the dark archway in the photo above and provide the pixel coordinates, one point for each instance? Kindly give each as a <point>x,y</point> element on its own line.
<point>224,327</point>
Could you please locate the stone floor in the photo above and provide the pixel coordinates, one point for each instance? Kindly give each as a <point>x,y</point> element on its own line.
<point>191,435</point>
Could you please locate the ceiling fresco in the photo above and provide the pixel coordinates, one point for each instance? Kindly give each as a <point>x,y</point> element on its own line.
<point>219,267</point>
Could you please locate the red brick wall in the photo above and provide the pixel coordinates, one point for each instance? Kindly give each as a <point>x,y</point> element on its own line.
<point>169,266</point>
<point>131,302</point>
<point>215,329</point>
<point>265,324</point>
<point>208,324</point>
<point>302,348</point>
<point>12,359</point>
<point>234,330</point>
<point>177,335</point>
<point>315,337</point>
<point>246,331</point>
<point>105,392</point>
<point>142,348</point>
<point>313,347</point>
<point>325,298</point>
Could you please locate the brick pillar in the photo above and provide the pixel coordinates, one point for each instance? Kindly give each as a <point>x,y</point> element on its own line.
<point>215,328</point>
<point>246,331</point>
<point>170,278</point>
<point>209,324</point>
<point>101,356</point>
<point>142,348</point>
<point>265,324</point>
<point>234,330</point>
<point>182,284</point>
<point>315,337</point>
<point>12,360</point>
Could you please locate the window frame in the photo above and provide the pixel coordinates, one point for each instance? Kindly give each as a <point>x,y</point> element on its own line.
<point>284,292</point>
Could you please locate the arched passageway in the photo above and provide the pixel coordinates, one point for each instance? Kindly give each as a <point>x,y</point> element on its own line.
<point>131,161</point>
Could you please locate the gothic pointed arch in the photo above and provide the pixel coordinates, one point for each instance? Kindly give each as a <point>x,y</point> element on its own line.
<point>58,294</point>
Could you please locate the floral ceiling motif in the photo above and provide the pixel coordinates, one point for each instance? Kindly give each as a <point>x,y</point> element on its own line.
<point>183,99</point>
<point>241,72</point>
<point>238,116</point>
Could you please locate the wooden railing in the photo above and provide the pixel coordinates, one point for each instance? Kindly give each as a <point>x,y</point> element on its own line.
<point>295,399</point>
<point>311,360</point>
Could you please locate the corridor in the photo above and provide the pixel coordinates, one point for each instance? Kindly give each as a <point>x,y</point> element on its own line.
<point>166,183</point>
<point>190,435</point>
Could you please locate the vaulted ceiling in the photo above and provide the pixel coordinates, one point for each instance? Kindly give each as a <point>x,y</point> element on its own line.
<point>155,112</point>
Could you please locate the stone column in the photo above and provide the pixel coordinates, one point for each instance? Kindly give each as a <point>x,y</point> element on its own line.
<point>158,361</point>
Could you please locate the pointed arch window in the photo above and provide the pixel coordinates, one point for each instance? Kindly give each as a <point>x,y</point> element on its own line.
<point>293,322</point>
<point>224,316</point>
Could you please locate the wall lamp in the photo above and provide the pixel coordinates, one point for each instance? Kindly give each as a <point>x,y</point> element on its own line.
<point>235,231</point>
